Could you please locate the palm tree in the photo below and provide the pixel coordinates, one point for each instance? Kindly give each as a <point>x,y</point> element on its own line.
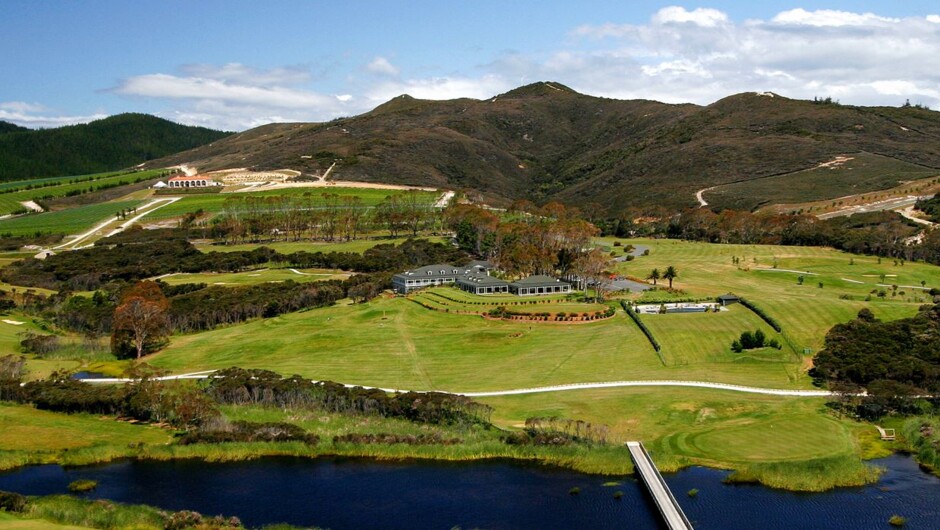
<point>670,274</point>
<point>654,275</point>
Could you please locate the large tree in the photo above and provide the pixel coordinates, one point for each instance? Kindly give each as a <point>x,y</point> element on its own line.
<point>140,319</point>
<point>593,266</point>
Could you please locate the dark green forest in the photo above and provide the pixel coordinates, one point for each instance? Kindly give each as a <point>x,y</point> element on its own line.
<point>113,143</point>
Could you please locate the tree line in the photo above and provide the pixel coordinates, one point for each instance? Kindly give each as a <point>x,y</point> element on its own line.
<point>893,362</point>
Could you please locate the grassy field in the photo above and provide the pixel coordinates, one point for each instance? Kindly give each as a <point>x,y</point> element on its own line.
<point>397,343</point>
<point>24,428</point>
<point>805,311</point>
<point>71,221</point>
<point>11,522</point>
<point>682,426</point>
<point>10,202</point>
<point>286,247</point>
<point>214,203</point>
<point>258,276</point>
<point>866,172</point>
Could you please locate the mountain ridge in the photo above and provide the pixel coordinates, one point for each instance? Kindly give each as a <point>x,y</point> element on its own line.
<point>544,141</point>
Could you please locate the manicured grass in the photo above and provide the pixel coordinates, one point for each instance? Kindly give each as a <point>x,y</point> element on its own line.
<point>286,247</point>
<point>689,338</point>
<point>71,221</point>
<point>23,428</point>
<point>453,299</point>
<point>806,311</point>
<point>258,276</point>
<point>214,203</point>
<point>682,426</point>
<point>10,202</point>
<point>397,343</point>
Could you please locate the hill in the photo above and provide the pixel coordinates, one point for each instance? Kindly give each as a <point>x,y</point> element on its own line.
<point>545,141</point>
<point>7,127</point>
<point>112,143</point>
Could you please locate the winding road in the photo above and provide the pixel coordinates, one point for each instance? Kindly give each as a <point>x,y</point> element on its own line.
<point>542,389</point>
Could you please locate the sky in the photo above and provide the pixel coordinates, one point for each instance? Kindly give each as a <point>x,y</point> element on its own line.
<point>234,65</point>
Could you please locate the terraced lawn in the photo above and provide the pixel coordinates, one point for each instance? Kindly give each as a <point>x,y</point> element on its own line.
<point>286,247</point>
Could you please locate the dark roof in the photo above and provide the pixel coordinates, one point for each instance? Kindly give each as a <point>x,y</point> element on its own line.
<point>538,280</point>
<point>729,296</point>
<point>481,279</point>
<point>434,270</point>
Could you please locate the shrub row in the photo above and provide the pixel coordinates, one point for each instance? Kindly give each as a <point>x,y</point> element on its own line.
<point>246,431</point>
<point>760,312</point>
<point>388,439</point>
<point>646,331</point>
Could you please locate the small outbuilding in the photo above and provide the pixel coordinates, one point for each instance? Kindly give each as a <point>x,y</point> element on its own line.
<point>728,299</point>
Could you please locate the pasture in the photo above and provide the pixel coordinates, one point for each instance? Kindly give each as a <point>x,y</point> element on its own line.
<point>214,203</point>
<point>71,221</point>
<point>10,202</point>
<point>256,276</point>
<point>287,247</point>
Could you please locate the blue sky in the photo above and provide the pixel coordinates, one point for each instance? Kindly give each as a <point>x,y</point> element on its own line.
<point>235,65</point>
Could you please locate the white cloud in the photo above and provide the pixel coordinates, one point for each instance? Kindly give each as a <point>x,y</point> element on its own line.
<point>702,55</point>
<point>34,115</point>
<point>441,88</point>
<point>246,75</point>
<point>705,17</point>
<point>381,65</point>
<point>678,55</point>
<point>829,17</point>
<point>236,97</point>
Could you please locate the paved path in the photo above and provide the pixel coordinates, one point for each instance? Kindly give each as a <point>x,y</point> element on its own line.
<point>444,200</point>
<point>544,389</point>
<point>72,244</point>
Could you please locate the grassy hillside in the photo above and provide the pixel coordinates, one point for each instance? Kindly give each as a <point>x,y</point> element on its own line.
<point>117,142</point>
<point>544,141</point>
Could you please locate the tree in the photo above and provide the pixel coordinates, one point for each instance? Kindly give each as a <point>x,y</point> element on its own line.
<point>654,275</point>
<point>593,266</point>
<point>670,274</point>
<point>140,318</point>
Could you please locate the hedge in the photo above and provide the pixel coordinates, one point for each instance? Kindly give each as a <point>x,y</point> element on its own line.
<point>644,329</point>
<point>760,312</point>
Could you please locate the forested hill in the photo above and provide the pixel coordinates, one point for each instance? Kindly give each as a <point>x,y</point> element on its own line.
<point>545,141</point>
<point>7,127</point>
<point>113,143</point>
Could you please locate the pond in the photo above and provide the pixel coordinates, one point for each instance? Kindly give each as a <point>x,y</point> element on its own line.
<point>343,493</point>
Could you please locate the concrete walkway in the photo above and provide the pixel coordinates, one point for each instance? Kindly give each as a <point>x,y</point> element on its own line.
<point>542,389</point>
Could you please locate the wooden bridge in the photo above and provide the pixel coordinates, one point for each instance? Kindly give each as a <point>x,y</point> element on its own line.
<point>668,506</point>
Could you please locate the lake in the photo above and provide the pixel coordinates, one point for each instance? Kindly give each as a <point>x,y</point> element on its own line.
<point>347,493</point>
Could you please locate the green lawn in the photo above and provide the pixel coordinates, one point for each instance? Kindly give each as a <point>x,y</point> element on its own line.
<point>691,338</point>
<point>214,203</point>
<point>10,202</point>
<point>10,522</point>
<point>23,428</point>
<point>397,343</point>
<point>257,276</point>
<point>286,247</point>
<point>71,221</point>
<point>806,311</point>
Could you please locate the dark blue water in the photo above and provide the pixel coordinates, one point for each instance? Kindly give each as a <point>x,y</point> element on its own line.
<point>356,493</point>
